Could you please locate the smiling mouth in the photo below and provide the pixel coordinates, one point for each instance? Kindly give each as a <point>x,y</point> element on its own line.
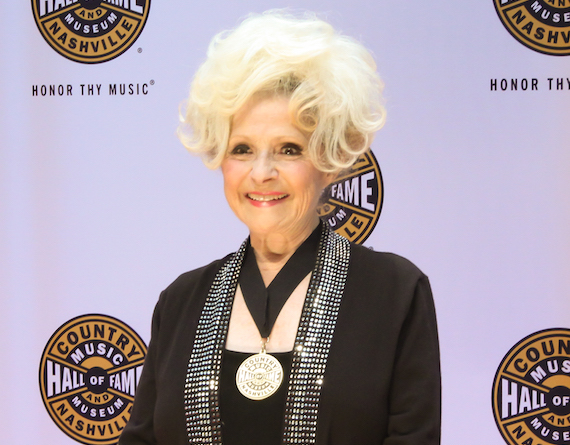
<point>266,198</point>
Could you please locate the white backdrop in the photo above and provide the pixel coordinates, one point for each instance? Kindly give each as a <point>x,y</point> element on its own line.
<point>101,207</point>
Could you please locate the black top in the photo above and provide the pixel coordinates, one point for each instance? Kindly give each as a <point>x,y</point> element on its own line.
<point>260,422</point>
<point>251,422</point>
<point>382,381</point>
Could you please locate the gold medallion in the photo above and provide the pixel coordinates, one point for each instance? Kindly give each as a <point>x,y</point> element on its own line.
<point>259,376</point>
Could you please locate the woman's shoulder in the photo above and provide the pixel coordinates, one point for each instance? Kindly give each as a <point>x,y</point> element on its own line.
<point>386,282</point>
<point>384,263</point>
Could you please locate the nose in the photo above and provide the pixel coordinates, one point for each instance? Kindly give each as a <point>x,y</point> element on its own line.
<point>263,168</point>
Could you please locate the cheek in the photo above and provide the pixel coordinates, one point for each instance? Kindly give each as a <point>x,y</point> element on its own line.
<point>311,187</point>
<point>231,174</point>
<point>231,184</point>
<point>315,182</point>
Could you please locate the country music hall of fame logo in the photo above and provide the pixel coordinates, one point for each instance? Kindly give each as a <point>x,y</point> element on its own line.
<point>351,205</point>
<point>541,25</point>
<point>89,372</point>
<point>90,31</point>
<point>531,391</point>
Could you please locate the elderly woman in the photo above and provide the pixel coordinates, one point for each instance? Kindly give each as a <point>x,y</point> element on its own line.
<point>298,337</point>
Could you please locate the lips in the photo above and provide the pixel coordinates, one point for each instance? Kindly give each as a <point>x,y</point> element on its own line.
<point>266,197</point>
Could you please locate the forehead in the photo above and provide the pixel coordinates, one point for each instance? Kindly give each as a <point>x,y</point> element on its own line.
<point>265,116</point>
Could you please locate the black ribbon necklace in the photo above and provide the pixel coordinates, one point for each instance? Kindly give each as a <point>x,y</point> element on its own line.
<point>265,304</point>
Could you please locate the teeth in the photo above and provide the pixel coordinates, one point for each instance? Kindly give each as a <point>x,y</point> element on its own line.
<point>265,198</point>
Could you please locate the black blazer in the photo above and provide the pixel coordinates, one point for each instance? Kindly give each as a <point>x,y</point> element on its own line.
<point>382,381</point>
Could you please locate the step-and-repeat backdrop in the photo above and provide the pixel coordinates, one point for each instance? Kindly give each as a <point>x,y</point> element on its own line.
<point>101,207</point>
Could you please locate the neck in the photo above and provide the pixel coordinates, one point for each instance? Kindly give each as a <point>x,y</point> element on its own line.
<point>272,250</point>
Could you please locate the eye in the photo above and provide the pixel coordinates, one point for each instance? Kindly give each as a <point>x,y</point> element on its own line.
<point>240,149</point>
<point>292,150</point>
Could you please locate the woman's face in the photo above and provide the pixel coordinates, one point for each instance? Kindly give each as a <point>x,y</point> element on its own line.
<point>269,181</point>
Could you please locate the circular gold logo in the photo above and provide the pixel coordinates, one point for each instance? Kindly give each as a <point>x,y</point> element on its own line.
<point>541,25</point>
<point>351,205</point>
<point>259,376</point>
<point>531,391</point>
<point>89,372</point>
<point>90,31</point>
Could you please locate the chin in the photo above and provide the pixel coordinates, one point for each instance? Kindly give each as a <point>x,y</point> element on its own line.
<point>265,225</point>
<point>264,229</point>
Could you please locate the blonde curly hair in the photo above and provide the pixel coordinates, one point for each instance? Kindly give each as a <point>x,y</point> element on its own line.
<point>331,80</point>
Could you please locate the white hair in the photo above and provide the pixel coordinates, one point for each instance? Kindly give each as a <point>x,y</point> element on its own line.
<point>331,80</point>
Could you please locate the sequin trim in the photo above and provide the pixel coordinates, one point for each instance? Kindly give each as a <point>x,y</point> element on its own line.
<point>310,355</point>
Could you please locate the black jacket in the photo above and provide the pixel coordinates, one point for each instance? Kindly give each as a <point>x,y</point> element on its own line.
<point>382,381</point>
